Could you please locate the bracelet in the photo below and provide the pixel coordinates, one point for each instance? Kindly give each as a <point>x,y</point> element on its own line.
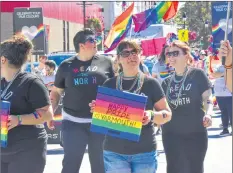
<point>36,115</point>
<point>228,66</point>
<point>151,115</point>
<point>19,120</point>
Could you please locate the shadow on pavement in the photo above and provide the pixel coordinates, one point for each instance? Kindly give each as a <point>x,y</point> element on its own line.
<point>217,116</point>
<point>58,151</point>
<point>55,151</point>
<point>214,129</point>
<point>218,136</point>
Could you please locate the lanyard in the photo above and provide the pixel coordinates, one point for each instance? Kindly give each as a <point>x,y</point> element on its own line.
<point>9,84</point>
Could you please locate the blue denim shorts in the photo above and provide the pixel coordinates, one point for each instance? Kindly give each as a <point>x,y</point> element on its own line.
<point>137,163</point>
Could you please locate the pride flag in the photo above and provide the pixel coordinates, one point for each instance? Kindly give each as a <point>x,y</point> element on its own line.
<point>164,10</point>
<point>118,114</point>
<point>119,29</point>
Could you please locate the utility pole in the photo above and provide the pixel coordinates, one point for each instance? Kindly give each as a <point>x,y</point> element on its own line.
<point>84,4</point>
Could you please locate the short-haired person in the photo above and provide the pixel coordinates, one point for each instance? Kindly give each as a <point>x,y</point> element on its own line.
<point>161,69</point>
<point>226,50</point>
<point>40,69</point>
<point>122,155</point>
<point>30,108</point>
<point>49,77</point>
<point>188,92</point>
<point>79,77</point>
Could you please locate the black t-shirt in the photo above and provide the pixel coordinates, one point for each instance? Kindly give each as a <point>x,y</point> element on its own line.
<point>26,94</point>
<point>188,116</point>
<point>147,143</point>
<point>80,80</point>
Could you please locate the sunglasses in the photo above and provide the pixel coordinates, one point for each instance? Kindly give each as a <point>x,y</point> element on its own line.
<point>127,53</point>
<point>90,40</point>
<point>174,53</point>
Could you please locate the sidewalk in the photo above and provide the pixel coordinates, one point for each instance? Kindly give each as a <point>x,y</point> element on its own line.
<point>218,159</point>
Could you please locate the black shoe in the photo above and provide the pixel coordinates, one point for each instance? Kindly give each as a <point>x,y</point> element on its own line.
<point>224,132</point>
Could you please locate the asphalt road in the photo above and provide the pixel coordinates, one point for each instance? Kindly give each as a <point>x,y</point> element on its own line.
<point>218,159</point>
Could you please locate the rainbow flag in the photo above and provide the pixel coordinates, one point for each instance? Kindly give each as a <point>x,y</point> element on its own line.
<point>118,114</point>
<point>119,29</point>
<point>167,10</point>
<point>164,10</point>
<point>4,113</point>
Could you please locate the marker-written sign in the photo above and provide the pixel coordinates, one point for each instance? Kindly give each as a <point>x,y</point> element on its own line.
<point>118,114</point>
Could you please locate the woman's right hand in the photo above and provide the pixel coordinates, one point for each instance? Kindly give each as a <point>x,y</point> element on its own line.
<point>92,105</point>
<point>226,50</point>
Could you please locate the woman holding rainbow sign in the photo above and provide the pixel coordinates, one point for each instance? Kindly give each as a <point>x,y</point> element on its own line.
<point>122,155</point>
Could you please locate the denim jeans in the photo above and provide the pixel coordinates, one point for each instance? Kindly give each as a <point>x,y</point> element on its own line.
<point>76,136</point>
<point>137,163</point>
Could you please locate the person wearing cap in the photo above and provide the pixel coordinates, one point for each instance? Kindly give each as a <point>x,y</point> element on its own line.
<point>79,77</point>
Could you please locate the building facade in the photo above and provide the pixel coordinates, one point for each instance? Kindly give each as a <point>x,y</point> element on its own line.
<point>62,19</point>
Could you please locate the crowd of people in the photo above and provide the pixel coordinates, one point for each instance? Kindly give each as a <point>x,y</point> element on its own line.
<point>179,102</point>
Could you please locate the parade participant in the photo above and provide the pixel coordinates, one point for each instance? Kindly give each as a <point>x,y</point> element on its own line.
<point>161,69</point>
<point>49,77</point>
<point>79,77</point>
<point>185,136</point>
<point>121,155</point>
<point>40,69</point>
<point>226,50</point>
<point>30,108</point>
<point>223,96</point>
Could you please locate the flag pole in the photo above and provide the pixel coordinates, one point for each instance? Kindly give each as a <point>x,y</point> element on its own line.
<point>226,32</point>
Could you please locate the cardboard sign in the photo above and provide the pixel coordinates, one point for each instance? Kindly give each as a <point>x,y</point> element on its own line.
<point>29,22</point>
<point>118,114</point>
<point>153,46</point>
<point>4,113</point>
<point>219,13</point>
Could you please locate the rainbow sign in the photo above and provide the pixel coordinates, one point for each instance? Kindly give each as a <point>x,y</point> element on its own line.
<point>4,113</point>
<point>118,114</point>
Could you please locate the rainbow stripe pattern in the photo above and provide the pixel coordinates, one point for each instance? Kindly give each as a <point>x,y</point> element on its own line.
<point>167,10</point>
<point>5,111</point>
<point>119,29</point>
<point>118,114</point>
<point>57,119</point>
<point>164,74</point>
<point>40,30</point>
<point>215,29</point>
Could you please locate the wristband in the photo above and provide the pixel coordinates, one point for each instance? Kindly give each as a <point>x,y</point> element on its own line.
<point>151,115</point>
<point>19,120</point>
<point>164,115</point>
<point>36,115</point>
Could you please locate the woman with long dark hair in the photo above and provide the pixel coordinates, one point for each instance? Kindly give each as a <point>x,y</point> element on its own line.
<point>30,108</point>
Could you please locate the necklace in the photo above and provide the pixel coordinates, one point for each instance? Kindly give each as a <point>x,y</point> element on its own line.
<point>173,103</point>
<point>178,81</point>
<point>139,80</point>
<point>9,84</point>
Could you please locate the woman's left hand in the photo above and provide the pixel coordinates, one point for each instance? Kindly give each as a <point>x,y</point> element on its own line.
<point>146,118</point>
<point>13,121</point>
<point>207,121</point>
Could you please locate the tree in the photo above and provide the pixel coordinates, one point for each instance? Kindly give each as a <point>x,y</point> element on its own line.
<point>197,13</point>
